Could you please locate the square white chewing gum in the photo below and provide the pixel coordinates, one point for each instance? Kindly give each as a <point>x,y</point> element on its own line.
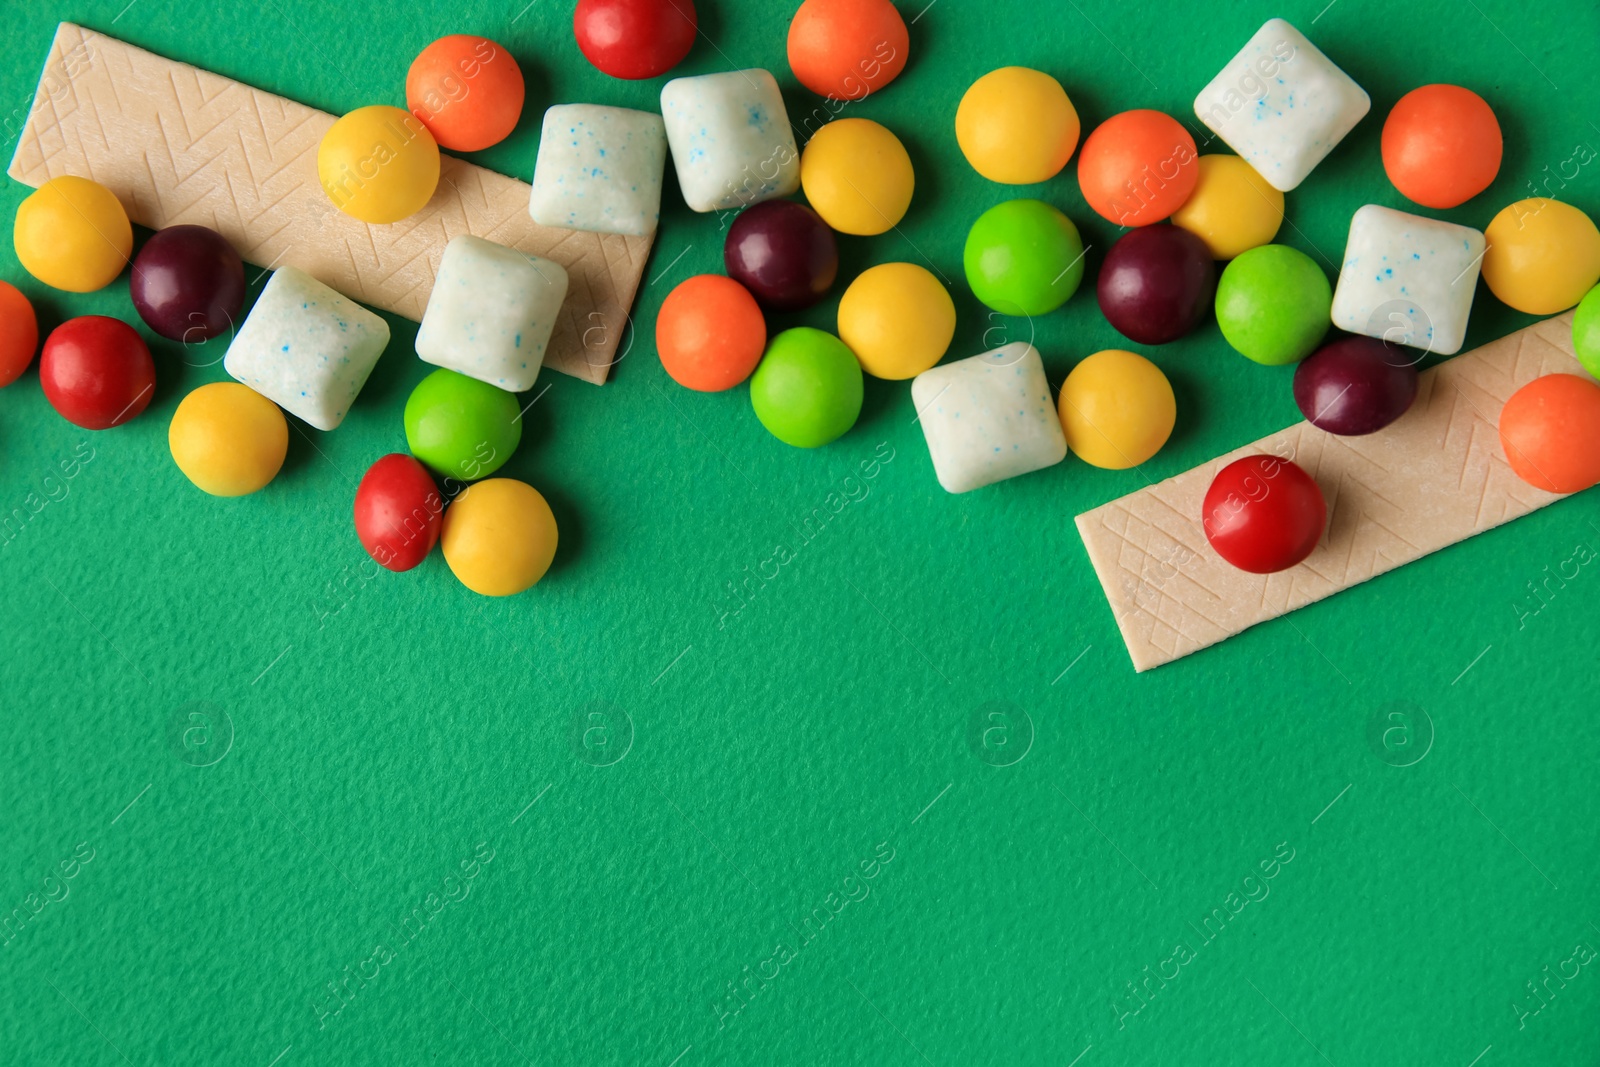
<point>988,417</point>
<point>491,312</point>
<point>1407,279</point>
<point>306,348</point>
<point>599,169</point>
<point>1281,104</point>
<point>731,140</point>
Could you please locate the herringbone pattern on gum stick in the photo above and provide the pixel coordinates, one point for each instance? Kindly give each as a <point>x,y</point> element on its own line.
<point>1435,477</point>
<point>177,144</point>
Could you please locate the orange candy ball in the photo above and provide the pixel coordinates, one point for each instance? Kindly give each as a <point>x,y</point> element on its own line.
<point>1138,167</point>
<point>1550,430</point>
<point>19,334</point>
<point>845,49</point>
<point>710,333</point>
<point>1441,145</point>
<point>467,91</point>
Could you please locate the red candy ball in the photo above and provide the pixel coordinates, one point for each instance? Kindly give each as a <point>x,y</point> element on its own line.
<point>398,512</point>
<point>96,372</point>
<point>1263,514</point>
<point>634,38</point>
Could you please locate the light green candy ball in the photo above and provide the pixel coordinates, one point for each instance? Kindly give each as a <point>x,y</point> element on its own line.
<point>807,390</point>
<point>1586,331</point>
<point>1273,304</point>
<point>461,427</point>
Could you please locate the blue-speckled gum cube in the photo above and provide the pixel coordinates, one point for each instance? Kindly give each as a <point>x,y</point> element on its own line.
<point>988,417</point>
<point>1407,279</point>
<point>1281,104</point>
<point>306,348</point>
<point>599,169</point>
<point>491,312</point>
<point>731,140</point>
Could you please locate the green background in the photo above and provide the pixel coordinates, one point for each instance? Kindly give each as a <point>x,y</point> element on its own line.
<point>704,784</point>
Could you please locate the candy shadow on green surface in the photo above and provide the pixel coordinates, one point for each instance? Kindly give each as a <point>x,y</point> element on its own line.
<point>571,533</point>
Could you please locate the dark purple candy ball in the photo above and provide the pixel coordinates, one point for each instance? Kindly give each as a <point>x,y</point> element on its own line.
<point>783,253</point>
<point>1157,284</point>
<point>188,283</point>
<point>1355,385</point>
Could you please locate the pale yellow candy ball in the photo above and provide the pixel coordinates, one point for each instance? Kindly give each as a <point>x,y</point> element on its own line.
<point>1117,409</point>
<point>228,439</point>
<point>499,537</point>
<point>1232,208</point>
<point>378,164</point>
<point>898,319</point>
<point>1016,126</point>
<point>1543,256</point>
<point>73,234</point>
<point>857,176</point>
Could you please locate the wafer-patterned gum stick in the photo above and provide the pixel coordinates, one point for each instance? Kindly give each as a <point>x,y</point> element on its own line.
<point>177,144</point>
<point>1434,477</point>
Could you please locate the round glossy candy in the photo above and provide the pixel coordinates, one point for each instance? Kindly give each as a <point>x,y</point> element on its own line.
<point>845,49</point>
<point>807,391</point>
<point>187,283</point>
<point>1263,514</point>
<point>228,439</point>
<point>1138,167</point>
<point>1543,256</point>
<point>710,333</point>
<point>1441,145</point>
<point>1550,430</point>
<point>467,91</point>
<point>398,512</point>
<point>1016,126</point>
<point>1232,208</point>
<point>96,372</point>
<point>1023,257</point>
<point>1116,409</point>
<point>1156,284</point>
<point>378,164</point>
<point>73,234</point>
<point>898,319</point>
<point>19,333</point>
<point>1355,386</point>
<point>461,427</point>
<point>634,38</point>
<point>857,176</point>
<point>499,537</point>
<point>1585,333</point>
<point>1273,304</point>
<point>783,253</point>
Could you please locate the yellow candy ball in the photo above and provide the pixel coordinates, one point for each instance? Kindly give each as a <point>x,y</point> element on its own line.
<point>378,164</point>
<point>1543,256</point>
<point>1117,409</point>
<point>73,234</point>
<point>1016,126</point>
<point>228,439</point>
<point>857,176</point>
<point>1232,208</point>
<point>499,537</point>
<point>898,319</point>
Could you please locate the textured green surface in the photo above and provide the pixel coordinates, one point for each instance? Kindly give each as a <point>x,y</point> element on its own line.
<point>382,726</point>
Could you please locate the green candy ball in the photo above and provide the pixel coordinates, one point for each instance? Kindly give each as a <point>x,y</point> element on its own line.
<point>807,390</point>
<point>1586,331</point>
<point>461,427</point>
<point>1023,257</point>
<point>1273,304</point>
